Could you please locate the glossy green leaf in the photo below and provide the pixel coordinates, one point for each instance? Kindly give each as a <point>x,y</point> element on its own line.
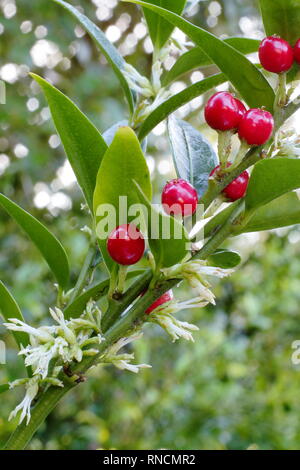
<point>4,388</point>
<point>167,238</point>
<point>247,79</point>
<point>76,308</point>
<point>194,158</point>
<point>159,29</point>
<point>178,100</point>
<point>224,259</point>
<point>83,143</point>
<point>45,241</point>
<point>122,163</point>
<point>10,309</point>
<point>270,179</point>
<point>108,50</point>
<point>282,212</point>
<point>197,57</point>
<point>281,17</point>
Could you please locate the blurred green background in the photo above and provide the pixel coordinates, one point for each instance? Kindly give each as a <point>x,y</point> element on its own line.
<point>235,386</point>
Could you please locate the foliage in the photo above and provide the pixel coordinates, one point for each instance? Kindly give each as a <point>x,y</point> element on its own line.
<point>238,321</point>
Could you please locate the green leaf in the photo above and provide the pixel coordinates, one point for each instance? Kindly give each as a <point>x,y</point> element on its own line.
<point>108,50</point>
<point>76,308</point>
<point>83,143</point>
<point>196,57</point>
<point>281,17</point>
<point>282,212</point>
<point>168,246</point>
<point>270,179</point>
<point>159,29</point>
<point>246,78</point>
<point>4,388</point>
<point>193,156</point>
<point>224,259</point>
<point>176,101</point>
<point>45,241</point>
<point>122,163</point>
<point>10,309</point>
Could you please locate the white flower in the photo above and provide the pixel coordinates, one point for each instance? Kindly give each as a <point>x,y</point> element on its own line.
<point>38,333</point>
<point>175,328</point>
<point>138,82</point>
<point>123,361</point>
<point>32,388</point>
<point>193,272</point>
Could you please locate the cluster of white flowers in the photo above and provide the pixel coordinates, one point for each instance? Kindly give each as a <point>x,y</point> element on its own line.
<point>287,144</point>
<point>52,347</point>
<point>194,273</point>
<point>123,361</point>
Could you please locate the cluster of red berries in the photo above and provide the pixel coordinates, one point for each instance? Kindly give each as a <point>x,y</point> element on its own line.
<point>223,112</point>
<point>277,55</point>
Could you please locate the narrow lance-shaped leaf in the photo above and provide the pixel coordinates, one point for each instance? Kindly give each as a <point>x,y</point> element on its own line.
<point>194,158</point>
<point>110,52</point>
<point>178,100</point>
<point>45,241</point>
<point>10,309</point>
<point>246,78</point>
<point>159,29</point>
<point>270,179</point>
<point>83,143</point>
<point>167,238</point>
<point>282,212</point>
<point>122,163</point>
<point>197,57</point>
<point>281,17</point>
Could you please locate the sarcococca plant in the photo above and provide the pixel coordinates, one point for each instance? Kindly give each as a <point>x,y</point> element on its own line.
<point>237,192</point>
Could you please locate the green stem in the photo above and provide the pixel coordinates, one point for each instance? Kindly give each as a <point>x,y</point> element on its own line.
<point>83,274</point>
<point>119,329</point>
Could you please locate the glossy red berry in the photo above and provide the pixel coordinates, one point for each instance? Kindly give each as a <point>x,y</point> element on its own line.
<point>162,300</point>
<point>276,55</point>
<point>237,188</point>
<point>297,52</point>
<point>179,197</point>
<point>126,244</point>
<point>222,112</point>
<point>241,108</point>
<point>256,127</point>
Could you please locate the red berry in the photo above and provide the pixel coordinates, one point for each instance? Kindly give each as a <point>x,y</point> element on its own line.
<point>256,127</point>
<point>237,188</point>
<point>126,244</point>
<point>162,300</point>
<point>276,55</point>
<point>222,112</point>
<point>241,108</point>
<point>179,197</point>
<point>297,52</point>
